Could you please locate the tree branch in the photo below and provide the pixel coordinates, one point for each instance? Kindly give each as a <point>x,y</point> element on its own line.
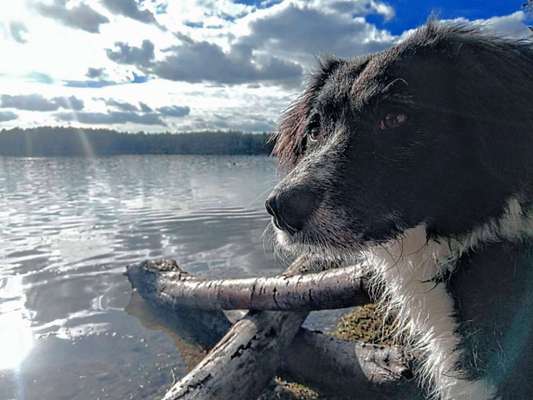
<point>330,289</point>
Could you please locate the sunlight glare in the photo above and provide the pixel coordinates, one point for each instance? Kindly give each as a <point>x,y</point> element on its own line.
<point>16,338</point>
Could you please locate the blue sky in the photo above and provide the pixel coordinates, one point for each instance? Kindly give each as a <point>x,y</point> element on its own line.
<point>161,65</point>
<point>413,13</point>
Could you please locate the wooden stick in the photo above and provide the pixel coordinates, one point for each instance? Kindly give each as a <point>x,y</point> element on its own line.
<point>335,288</point>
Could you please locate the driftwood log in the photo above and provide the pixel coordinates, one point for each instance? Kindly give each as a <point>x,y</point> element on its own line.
<point>265,343</point>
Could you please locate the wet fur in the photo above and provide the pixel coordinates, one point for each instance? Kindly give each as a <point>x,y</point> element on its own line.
<point>413,203</point>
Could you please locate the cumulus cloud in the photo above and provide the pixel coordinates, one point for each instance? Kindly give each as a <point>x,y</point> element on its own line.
<point>281,41</point>
<point>207,62</point>
<point>234,65</point>
<point>7,116</point>
<point>202,61</point>
<point>126,54</point>
<point>112,118</point>
<point>36,102</point>
<point>130,9</point>
<point>80,16</point>
<point>303,31</point>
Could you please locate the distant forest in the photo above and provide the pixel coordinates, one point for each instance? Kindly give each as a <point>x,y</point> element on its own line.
<point>57,141</point>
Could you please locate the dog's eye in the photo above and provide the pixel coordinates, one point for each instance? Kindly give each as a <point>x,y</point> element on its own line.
<point>313,129</point>
<point>314,134</point>
<point>392,120</point>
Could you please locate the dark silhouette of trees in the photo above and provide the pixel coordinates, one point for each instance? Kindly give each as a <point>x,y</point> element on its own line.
<point>58,141</point>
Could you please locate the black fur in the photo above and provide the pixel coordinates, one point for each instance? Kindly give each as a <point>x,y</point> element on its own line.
<point>493,294</point>
<point>465,148</point>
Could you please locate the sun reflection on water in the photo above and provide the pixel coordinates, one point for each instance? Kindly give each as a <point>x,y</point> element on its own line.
<point>16,338</point>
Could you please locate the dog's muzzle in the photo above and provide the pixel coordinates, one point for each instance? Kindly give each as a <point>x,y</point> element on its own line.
<point>292,208</point>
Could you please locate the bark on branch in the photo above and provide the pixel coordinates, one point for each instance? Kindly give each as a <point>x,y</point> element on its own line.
<point>330,289</point>
<point>258,347</point>
<point>246,359</point>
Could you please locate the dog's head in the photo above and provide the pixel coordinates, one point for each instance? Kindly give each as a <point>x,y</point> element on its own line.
<point>436,131</point>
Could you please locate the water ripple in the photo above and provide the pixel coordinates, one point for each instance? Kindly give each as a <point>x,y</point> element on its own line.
<point>69,227</point>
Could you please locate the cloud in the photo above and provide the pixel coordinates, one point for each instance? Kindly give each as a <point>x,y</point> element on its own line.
<point>201,61</point>
<point>7,116</point>
<point>94,73</point>
<point>145,108</point>
<point>226,122</point>
<point>112,118</point>
<point>359,8</point>
<point>513,25</point>
<point>220,64</point>
<point>303,31</point>
<point>274,44</point>
<point>126,54</point>
<point>71,103</point>
<point>95,84</point>
<point>18,31</point>
<point>207,62</point>
<point>174,111</point>
<point>97,79</point>
<point>166,111</point>
<point>80,16</point>
<point>36,102</point>
<point>130,9</point>
<point>40,77</point>
<point>122,106</point>
<point>247,124</point>
<point>123,112</point>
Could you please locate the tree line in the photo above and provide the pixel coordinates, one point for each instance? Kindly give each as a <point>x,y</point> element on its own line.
<point>68,141</point>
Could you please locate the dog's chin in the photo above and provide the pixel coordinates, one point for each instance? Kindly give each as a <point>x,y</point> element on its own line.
<point>283,239</point>
<point>314,242</point>
<point>333,242</point>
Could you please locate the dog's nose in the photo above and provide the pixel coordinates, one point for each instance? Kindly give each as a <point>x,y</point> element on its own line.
<point>292,208</point>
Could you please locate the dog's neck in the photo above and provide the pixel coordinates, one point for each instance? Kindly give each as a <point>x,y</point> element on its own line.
<point>409,273</point>
<point>439,255</point>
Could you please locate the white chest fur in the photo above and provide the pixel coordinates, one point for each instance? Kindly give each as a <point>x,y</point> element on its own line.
<point>425,310</point>
<point>405,271</point>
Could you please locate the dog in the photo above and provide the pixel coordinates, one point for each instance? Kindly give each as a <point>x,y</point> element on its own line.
<point>418,161</point>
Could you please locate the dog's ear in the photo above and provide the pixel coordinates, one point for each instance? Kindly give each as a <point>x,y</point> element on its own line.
<point>289,139</point>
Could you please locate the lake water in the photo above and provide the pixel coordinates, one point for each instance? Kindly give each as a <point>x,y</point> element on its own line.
<point>69,328</point>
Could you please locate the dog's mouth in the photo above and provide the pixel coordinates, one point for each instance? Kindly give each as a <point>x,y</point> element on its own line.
<point>319,233</point>
<point>333,231</point>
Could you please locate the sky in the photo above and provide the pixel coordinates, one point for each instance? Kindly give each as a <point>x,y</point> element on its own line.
<point>191,65</point>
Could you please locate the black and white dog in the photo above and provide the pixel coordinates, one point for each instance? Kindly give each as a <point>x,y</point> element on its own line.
<point>419,161</point>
